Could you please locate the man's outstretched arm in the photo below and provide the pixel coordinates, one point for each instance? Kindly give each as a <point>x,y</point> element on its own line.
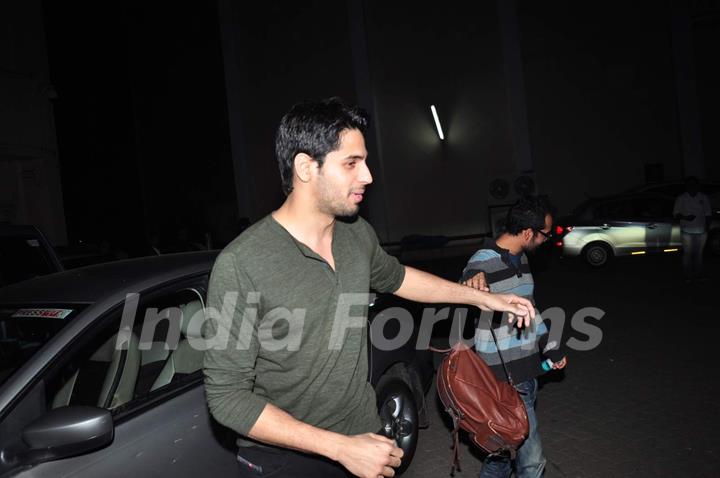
<point>423,287</point>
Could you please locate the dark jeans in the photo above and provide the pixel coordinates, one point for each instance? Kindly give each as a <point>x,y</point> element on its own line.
<point>279,462</point>
<point>530,461</point>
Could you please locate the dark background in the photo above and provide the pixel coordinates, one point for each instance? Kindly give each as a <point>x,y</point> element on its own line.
<point>141,122</point>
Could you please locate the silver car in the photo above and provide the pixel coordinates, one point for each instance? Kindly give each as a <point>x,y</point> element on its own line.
<point>601,229</point>
<point>75,404</point>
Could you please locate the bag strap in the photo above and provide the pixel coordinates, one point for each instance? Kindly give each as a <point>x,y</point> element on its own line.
<point>456,442</point>
<point>502,361</point>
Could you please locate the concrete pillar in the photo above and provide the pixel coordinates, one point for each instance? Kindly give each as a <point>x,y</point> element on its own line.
<point>686,90</point>
<point>512,56</point>
<point>377,199</point>
<point>235,78</point>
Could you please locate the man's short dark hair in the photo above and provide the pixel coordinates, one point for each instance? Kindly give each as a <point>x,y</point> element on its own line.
<point>313,128</point>
<point>528,213</point>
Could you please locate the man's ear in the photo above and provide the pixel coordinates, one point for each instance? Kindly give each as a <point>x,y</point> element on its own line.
<point>528,234</point>
<point>303,165</point>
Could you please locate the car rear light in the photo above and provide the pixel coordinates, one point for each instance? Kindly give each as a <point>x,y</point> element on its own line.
<point>559,244</point>
<point>562,230</point>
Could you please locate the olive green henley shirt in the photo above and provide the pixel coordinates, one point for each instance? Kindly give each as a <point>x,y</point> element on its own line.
<point>278,342</point>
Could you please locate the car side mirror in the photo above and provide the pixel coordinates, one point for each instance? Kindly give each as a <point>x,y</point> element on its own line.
<point>68,431</point>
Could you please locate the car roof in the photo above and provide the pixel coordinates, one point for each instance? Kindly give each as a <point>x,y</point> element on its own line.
<point>594,201</point>
<point>92,283</point>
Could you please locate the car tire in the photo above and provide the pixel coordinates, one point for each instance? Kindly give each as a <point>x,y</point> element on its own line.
<point>597,254</point>
<point>399,416</point>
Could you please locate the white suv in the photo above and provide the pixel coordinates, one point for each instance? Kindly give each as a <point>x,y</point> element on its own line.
<point>623,225</point>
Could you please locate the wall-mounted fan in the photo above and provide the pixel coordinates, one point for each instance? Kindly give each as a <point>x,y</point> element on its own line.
<point>499,188</point>
<point>524,185</point>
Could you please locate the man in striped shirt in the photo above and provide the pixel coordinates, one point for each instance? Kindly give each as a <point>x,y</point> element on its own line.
<point>501,265</point>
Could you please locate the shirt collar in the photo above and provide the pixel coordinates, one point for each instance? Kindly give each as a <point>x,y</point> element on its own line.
<point>504,254</point>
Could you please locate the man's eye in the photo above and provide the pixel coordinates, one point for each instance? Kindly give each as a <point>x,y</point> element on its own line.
<point>351,164</point>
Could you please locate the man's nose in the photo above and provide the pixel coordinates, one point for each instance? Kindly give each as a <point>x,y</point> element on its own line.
<point>365,176</point>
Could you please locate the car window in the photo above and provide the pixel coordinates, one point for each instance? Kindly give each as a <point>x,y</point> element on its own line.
<point>25,329</point>
<point>615,210</point>
<point>654,208</point>
<point>168,331</point>
<point>673,190</point>
<point>84,377</point>
<point>108,366</point>
<point>136,355</point>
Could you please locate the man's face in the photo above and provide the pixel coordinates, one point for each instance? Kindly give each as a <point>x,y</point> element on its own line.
<point>537,238</point>
<point>341,181</point>
<point>692,187</point>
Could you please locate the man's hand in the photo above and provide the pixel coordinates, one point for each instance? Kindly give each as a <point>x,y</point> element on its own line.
<point>477,282</point>
<point>517,307</point>
<point>370,455</point>
<point>560,365</point>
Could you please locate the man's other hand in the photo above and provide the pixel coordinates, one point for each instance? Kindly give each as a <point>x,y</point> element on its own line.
<point>370,455</point>
<point>478,282</point>
<point>561,364</point>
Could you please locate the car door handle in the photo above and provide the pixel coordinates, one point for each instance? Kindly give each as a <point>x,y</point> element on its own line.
<point>652,226</point>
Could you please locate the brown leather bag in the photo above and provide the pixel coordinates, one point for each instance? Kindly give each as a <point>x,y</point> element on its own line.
<point>491,411</point>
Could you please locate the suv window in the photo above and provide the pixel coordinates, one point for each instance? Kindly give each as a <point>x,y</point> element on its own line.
<point>654,208</point>
<point>615,210</point>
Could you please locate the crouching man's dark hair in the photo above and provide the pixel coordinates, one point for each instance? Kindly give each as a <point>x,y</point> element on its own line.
<point>528,213</point>
<point>313,128</point>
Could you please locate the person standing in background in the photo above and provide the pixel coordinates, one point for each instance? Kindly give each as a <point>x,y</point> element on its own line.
<point>692,209</point>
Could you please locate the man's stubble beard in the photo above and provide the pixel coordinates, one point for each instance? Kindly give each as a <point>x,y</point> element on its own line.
<point>330,206</point>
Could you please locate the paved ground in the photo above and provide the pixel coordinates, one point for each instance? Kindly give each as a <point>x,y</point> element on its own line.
<point>642,404</point>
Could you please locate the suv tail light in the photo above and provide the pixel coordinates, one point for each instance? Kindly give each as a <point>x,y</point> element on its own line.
<point>562,230</point>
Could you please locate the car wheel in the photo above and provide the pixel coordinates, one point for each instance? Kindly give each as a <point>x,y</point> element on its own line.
<point>597,254</point>
<point>399,415</point>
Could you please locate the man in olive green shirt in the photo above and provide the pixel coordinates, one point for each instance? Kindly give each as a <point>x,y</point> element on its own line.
<point>288,367</point>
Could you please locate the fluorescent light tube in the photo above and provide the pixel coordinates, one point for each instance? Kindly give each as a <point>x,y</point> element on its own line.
<point>437,122</point>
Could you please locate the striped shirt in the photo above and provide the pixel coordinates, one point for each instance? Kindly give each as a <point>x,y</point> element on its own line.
<point>522,349</point>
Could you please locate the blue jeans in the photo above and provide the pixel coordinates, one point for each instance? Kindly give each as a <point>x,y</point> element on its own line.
<point>530,461</point>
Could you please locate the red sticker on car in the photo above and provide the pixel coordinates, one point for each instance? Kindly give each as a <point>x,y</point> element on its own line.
<point>42,313</point>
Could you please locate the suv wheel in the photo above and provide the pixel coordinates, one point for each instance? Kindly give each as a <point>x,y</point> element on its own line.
<point>597,254</point>
<point>399,416</point>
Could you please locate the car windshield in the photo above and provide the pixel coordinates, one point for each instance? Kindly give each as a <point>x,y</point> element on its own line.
<point>22,258</point>
<point>23,330</point>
